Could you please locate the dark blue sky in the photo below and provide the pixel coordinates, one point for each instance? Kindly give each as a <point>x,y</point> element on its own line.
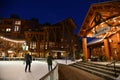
<point>51,11</point>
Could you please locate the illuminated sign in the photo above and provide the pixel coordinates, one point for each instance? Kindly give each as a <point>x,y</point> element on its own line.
<point>101,31</point>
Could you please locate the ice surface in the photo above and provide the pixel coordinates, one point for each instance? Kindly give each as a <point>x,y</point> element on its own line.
<point>14,70</point>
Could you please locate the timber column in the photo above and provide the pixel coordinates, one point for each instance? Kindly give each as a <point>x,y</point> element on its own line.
<point>107,51</point>
<point>84,41</point>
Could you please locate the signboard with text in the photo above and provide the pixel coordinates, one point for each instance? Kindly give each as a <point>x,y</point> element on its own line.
<point>101,31</point>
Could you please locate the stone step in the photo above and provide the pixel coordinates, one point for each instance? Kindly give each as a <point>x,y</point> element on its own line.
<point>110,64</point>
<point>104,67</point>
<point>99,70</point>
<point>105,76</point>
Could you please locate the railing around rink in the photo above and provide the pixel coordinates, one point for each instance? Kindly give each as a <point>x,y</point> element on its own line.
<point>20,58</point>
<point>12,58</point>
<point>53,74</point>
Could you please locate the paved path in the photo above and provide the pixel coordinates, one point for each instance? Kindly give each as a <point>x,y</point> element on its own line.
<point>71,73</point>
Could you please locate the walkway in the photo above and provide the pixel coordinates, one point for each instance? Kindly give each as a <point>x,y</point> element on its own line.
<point>72,73</point>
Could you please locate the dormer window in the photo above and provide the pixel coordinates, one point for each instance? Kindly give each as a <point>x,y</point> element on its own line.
<point>17,22</point>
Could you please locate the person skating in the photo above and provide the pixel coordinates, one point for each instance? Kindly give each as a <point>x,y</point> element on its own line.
<point>28,60</point>
<point>49,61</point>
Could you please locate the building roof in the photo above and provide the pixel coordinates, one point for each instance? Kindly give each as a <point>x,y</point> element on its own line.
<point>66,22</point>
<point>94,41</point>
<point>97,14</point>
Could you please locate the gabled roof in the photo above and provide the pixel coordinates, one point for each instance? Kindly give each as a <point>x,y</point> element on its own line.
<point>67,22</point>
<point>105,10</point>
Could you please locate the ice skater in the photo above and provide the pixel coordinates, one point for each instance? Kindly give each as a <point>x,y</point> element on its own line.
<point>28,60</point>
<point>49,61</point>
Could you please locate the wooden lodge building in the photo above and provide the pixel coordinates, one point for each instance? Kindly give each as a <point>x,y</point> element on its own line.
<point>102,22</point>
<point>18,36</point>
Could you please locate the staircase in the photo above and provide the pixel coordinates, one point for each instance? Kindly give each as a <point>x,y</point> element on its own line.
<point>108,72</point>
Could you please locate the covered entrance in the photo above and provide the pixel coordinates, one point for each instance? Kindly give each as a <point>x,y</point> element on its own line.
<point>102,22</point>
<point>59,54</point>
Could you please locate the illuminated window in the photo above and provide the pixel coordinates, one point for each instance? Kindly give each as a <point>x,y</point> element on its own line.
<point>8,29</point>
<point>17,22</point>
<point>33,45</point>
<point>16,28</point>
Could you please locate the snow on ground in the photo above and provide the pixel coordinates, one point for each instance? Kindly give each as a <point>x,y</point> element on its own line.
<point>64,61</point>
<point>14,70</point>
<point>67,62</point>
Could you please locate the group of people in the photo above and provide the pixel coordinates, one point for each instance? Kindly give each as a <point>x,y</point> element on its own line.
<point>28,61</point>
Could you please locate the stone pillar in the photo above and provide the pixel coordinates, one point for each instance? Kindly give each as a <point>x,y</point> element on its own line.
<point>107,51</point>
<point>84,44</point>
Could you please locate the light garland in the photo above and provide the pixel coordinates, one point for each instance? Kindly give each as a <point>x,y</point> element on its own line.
<point>12,40</point>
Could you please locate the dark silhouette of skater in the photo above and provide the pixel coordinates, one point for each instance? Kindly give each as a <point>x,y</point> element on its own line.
<point>49,61</point>
<point>28,60</point>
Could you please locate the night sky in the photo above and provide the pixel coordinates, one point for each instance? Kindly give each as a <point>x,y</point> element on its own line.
<point>51,11</point>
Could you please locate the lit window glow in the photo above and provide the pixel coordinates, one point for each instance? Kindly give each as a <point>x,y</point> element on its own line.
<point>32,45</point>
<point>17,22</point>
<point>10,51</point>
<point>16,29</point>
<point>8,29</point>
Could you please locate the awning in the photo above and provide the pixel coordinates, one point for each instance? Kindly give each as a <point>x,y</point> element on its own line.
<point>94,41</point>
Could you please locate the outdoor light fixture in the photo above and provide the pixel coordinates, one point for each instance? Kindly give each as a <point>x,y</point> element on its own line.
<point>10,51</point>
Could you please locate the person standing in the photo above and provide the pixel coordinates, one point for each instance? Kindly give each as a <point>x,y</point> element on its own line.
<point>49,62</point>
<point>28,60</point>
<point>3,55</point>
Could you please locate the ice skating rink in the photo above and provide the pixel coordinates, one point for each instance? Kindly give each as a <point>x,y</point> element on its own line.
<point>14,70</point>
